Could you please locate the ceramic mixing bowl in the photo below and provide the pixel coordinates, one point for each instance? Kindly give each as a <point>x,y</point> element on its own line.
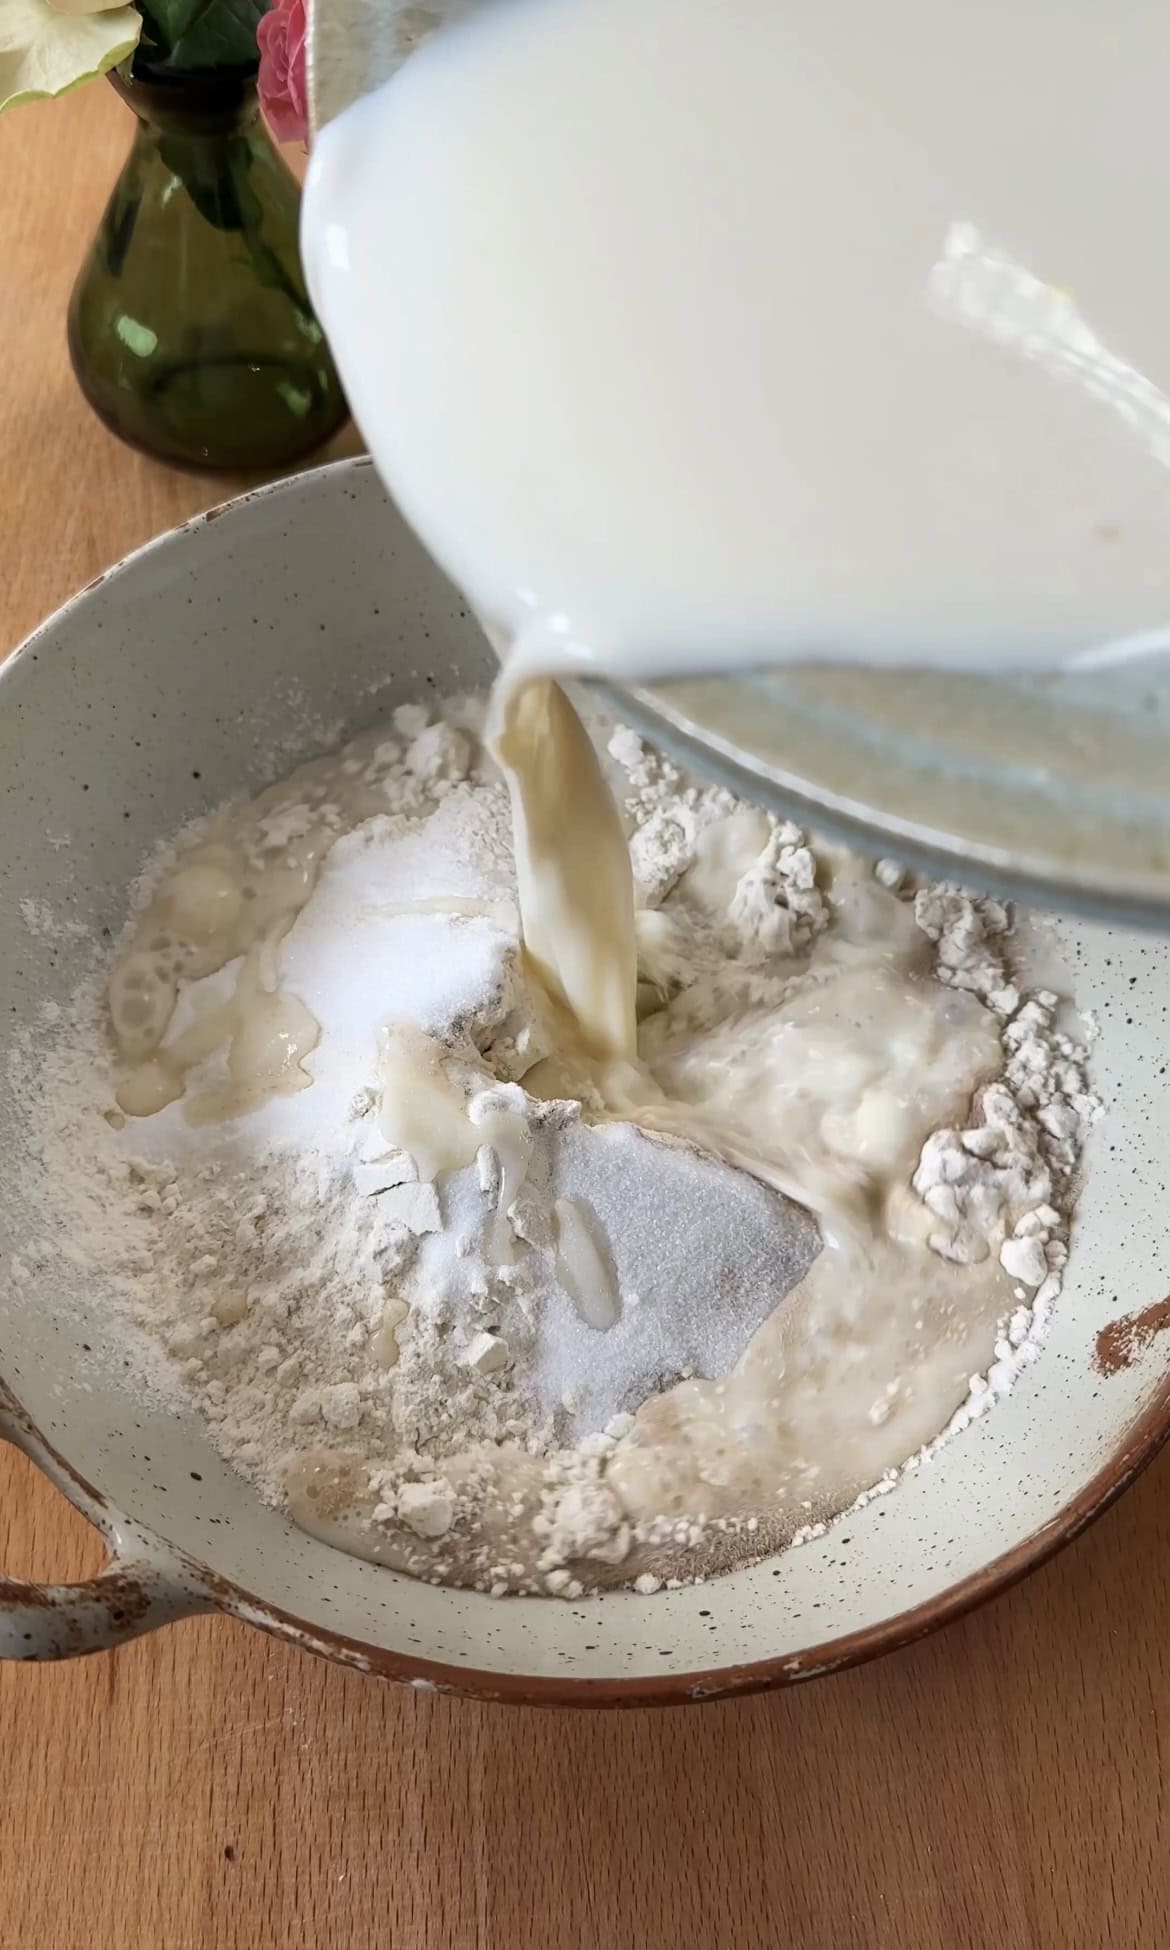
<point>211,661</point>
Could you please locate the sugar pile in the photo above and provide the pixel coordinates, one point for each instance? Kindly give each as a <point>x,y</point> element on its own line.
<point>560,1360</point>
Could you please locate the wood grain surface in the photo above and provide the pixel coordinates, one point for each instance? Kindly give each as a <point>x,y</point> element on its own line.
<point>1003,1784</point>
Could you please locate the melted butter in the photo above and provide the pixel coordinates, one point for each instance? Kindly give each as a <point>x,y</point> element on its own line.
<point>424,1112</point>
<point>583,1269</point>
<point>420,1109</point>
<point>232,900</point>
<point>214,909</point>
<point>265,1036</point>
<point>572,867</point>
<point>509,1135</point>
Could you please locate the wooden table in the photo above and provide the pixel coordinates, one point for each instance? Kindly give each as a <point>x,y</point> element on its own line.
<point>1003,1784</point>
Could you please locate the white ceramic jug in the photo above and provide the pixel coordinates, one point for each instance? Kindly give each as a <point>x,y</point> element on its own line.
<point>1055,787</point>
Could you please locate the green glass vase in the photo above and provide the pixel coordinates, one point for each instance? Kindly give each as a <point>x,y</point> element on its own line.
<point>190,329</point>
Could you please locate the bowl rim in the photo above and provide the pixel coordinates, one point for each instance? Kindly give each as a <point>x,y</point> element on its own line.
<point>215,1592</point>
<point>1141,1442</point>
<point>1136,1447</point>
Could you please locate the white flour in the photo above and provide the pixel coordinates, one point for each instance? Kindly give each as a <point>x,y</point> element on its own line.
<point>556,1357</point>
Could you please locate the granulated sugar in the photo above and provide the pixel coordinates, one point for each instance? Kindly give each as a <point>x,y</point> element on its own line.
<point>543,1346</point>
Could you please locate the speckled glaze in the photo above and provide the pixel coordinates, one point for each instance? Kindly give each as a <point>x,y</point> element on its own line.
<point>205,665</point>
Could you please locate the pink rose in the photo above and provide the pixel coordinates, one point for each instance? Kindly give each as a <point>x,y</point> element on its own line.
<point>281,84</point>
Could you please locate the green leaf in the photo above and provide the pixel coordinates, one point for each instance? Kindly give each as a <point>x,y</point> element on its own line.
<point>46,53</point>
<point>203,33</point>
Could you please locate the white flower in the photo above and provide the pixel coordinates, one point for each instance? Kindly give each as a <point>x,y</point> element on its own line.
<point>45,50</point>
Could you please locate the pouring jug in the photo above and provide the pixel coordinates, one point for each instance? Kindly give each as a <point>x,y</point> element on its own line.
<point>1052,786</point>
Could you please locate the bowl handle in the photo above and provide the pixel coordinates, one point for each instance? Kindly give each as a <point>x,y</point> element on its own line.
<point>59,1621</point>
<point>142,1586</point>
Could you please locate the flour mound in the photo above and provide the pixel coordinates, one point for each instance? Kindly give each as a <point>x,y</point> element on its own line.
<point>572,1349</point>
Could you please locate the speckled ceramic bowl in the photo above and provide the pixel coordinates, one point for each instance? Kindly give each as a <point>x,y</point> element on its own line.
<point>212,660</point>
